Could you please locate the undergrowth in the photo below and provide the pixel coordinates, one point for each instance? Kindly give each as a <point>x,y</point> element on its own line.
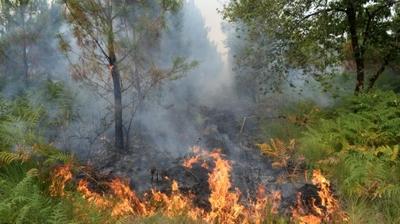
<point>26,160</point>
<point>356,142</point>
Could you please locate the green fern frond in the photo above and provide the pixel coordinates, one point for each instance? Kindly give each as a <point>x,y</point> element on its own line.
<point>7,158</point>
<point>52,155</point>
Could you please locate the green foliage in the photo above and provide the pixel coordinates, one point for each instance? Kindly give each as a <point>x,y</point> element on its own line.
<point>357,143</point>
<point>319,36</point>
<point>59,102</point>
<point>294,118</point>
<point>51,155</point>
<point>171,5</point>
<point>25,119</point>
<point>18,122</point>
<point>24,192</point>
<point>365,211</point>
<point>22,199</point>
<point>370,120</point>
<point>390,80</point>
<point>25,163</point>
<point>8,157</point>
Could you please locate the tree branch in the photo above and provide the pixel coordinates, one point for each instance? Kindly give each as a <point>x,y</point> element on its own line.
<point>380,71</point>
<point>322,11</point>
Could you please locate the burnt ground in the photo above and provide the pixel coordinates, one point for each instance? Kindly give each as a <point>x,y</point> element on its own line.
<point>148,166</point>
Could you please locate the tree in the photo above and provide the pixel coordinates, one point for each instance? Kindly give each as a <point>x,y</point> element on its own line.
<point>318,35</point>
<point>27,28</point>
<point>258,69</point>
<point>115,39</point>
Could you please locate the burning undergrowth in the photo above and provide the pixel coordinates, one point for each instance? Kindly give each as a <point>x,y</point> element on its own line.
<point>237,183</point>
<point>316,203</point>
<point>224,202</point>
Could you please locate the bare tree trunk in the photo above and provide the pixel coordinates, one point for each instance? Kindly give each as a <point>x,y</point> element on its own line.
<point>116,76</point>
<point>357,52</point>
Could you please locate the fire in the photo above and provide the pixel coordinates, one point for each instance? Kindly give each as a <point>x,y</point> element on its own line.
<point>176,204</point>
<point>123,200</point>
<point>93,197</point>
<point>60,177</point>
<point>128,202</point>
<point>327,199</point>
<point>200,156</point>
<point>225,202</point>
<point>326,210</point>
<point>191,161</point>
<point>265,205</point>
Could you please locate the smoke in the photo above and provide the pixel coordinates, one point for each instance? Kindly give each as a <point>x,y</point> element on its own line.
<point>170,117</point>
<point>173,116</point>
<point>173,121</point>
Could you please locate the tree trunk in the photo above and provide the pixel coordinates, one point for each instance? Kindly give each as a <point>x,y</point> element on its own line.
<point>357,52</point>
<point>375,77</point>
<point>116,76</point>
<point>119,137</point>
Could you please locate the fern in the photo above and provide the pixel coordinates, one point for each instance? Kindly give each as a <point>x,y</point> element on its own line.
<point>59,215</point>
<point>56,97</point>
<point>52,155</point>
<point>9,157</point>
<point>22,199</point>
<point>26,160</point>
<point>18,122</point>
<point>358,144</point>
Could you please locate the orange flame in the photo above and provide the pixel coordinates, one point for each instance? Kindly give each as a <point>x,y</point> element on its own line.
<point>176,204</point>
<point>93,197</point>
<point>224,203</point>
<point>60,177</point>
<point>128,203</point>
<point>226,206</point>
<point>122,202</point>
<point>264,205</point>
<point>188,163</point>
<point>328,208</point>
<point>200,156</point>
